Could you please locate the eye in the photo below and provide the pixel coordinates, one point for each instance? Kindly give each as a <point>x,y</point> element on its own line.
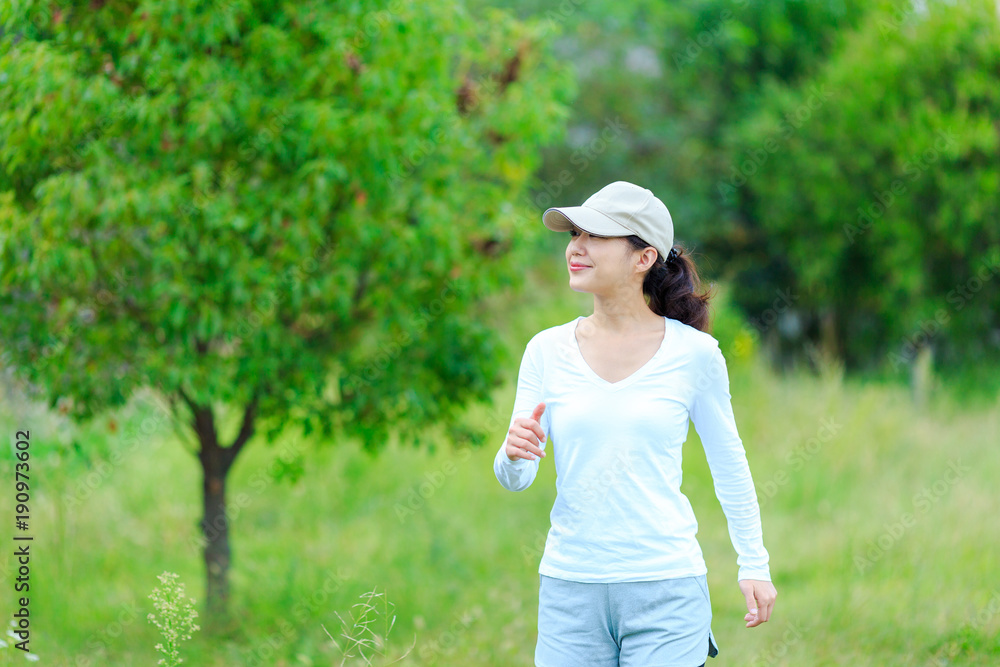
<point>573,232</point>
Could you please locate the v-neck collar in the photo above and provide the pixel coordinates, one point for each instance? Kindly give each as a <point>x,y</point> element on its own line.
<point>624,382</point>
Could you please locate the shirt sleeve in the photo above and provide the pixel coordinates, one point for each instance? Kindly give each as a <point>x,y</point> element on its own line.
<point>712,414</point>
<point>518,475</point>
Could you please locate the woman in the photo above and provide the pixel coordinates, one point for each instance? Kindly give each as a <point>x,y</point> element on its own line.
<point>622,578</point>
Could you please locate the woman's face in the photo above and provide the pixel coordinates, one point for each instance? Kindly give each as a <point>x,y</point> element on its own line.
<point>598,264</point>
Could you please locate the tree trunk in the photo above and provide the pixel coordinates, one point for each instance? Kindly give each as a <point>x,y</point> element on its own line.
<point>215,526</point>
<point>216,461</point>
<point>829,339</point>
<point>922,375</point>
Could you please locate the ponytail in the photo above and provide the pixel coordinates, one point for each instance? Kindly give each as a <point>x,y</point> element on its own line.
<point>672,288</point>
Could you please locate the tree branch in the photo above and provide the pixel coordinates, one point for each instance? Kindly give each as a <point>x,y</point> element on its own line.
<point>191,404</point>
<point>204,426</point>
<point>203,423</point>
<point>246,430</point>
<point>360,288</point>
<point>178,422</point>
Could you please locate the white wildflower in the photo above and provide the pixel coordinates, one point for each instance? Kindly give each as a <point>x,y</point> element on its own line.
<point>174,617</point>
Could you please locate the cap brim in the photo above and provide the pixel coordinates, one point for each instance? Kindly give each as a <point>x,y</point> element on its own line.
<point>589,220</point>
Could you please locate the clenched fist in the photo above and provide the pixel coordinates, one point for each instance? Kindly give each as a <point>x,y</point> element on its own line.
<point>525,436</point>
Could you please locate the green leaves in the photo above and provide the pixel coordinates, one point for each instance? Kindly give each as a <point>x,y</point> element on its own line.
<point>251,196</point>
<point>885,205</point>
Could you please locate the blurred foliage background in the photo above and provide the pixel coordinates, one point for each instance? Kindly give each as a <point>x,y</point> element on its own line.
<point>317,224</point>
<point>837,159</point>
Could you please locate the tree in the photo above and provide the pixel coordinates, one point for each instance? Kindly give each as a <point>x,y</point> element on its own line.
<point>667,84</point>
<point>884,205</point>
<point>287,210</point>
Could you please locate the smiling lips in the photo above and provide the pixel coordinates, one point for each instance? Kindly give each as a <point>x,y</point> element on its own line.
<point>573,266</point>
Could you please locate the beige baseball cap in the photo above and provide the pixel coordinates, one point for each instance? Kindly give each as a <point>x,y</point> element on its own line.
<point>618,209</point>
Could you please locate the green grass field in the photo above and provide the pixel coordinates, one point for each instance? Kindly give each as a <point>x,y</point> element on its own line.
<point>880,519</point>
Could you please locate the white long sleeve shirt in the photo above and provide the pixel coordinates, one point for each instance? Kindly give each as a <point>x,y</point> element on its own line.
<point>619,514</point>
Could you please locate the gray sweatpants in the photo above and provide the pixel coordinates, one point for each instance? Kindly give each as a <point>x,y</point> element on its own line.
<point>664,623</point>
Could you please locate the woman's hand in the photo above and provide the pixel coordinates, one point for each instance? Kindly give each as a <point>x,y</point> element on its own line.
<point>525,436</point>
<point>760,597</point>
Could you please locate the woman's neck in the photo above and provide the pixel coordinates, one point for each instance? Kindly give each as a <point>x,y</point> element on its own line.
<point>623,316</point>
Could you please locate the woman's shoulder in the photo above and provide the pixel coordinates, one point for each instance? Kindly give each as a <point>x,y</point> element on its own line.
<point>693,338</point>
<point>553,335</point>
<point>694,333</point>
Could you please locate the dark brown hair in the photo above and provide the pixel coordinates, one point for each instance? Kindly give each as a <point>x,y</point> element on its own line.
<point>672,288</point>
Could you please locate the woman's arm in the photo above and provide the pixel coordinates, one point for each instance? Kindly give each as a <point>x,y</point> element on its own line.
<point>712,414</point>
<point>518,474</point>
